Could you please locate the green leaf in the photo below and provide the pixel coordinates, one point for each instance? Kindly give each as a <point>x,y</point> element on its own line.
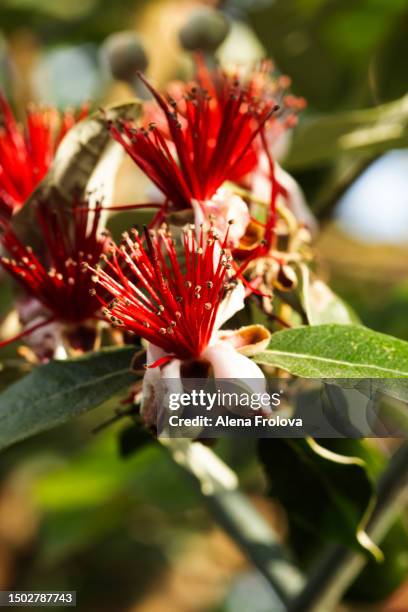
<point>92,496</point>
<point>12,370</point>
<point>319,302</point>
<point>327,494</point>
<point>369,131</point>
<point>337,351</point>
<point>61,390</point>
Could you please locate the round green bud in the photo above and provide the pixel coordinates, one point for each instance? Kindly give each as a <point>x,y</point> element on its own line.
<point>125,55</point>
<point>205,30</point>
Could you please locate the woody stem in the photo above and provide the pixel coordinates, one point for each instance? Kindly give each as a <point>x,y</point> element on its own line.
<point>240,519</point>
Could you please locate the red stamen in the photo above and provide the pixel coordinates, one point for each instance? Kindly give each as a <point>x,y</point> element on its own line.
<point>205,137</point>
<point>60,279</point>
<point>170,303</point>
<point>27,153</point>
<point>161,362</point>
<point>27,331</point>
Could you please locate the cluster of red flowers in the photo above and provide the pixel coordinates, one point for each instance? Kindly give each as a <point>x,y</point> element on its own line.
<point>209,134</point>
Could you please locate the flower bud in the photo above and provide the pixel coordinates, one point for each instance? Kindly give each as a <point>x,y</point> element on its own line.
<point>205,30</point>
<point>125,55</point>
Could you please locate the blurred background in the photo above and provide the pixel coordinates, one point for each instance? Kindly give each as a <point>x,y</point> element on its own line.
<point>108,514</point>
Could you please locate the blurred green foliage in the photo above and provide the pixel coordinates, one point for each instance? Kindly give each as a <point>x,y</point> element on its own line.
<point>72,21</point>
<point>339,54</point>
<point>107,521</point>
<point>383,309</point>
<point>110,527</point>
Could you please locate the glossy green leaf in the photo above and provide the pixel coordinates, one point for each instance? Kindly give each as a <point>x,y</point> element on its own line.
<point>61,390</point>
<point>337,351</point>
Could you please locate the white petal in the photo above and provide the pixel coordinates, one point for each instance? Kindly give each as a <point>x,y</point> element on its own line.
<point>280,145</point>
<point>261,187</point>
<point>154,194</point>
<point>228,363</point>
<point>101,184</point>
<point>151,396</point>
<point>225,206</point>
<point>199,214</point>
<point>153,353</point>
<point>231,304</point>
<point>247,340</point>
<point>297,200</point>
<point>169,372</point>
<point>158,383</point>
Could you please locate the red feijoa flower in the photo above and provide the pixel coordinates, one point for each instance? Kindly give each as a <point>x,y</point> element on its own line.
<point>59,278</point>
<point>204,137</point>
<point>170,300</point>
<point>26,153</point>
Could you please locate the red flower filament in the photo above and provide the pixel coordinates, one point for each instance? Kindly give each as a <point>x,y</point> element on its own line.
<point>26,155</point>
<point>206,139</point>
<point>171,305</point>
<point>62,285</point>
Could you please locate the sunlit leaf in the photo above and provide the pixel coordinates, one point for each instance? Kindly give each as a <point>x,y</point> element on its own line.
<point>337,351</point>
